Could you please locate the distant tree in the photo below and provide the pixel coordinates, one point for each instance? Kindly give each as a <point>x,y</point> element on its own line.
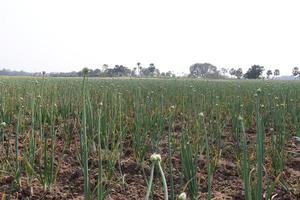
<point>97,72</point>
<point>224,71</point>
<point>295,71</point>
<point>236,72</point>
<point>108,72</point>
<point>91,73</point>
<point>276,73</point>
<point>254,72</point>
<point>269,73</point>
<point>120,70</point>
<point>144,72</point>
<point>139,67</point>
<point>104,67</point>
<point>239,73</point>
<point>134,72</point>
<point>232,72</point>
<point>7,72</point>
<point>149,71</point>
<point>202,69</point>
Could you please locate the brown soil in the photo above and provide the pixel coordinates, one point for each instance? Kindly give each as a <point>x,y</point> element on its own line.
<point>227,183</point>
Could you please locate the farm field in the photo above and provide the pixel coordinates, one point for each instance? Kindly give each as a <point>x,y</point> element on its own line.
<point>90,138</point>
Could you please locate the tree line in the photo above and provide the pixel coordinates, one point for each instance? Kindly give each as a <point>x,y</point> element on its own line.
<point>119,71</point>
<point>197,70</point>
<point>206,70</point>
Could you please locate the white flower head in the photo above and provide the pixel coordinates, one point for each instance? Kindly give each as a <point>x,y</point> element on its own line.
<point>3,124</point>
<point>155,157</point>
<point>201,114</point>
<point>182,196</point>
<point>240,118</point>
<point>258,90</point>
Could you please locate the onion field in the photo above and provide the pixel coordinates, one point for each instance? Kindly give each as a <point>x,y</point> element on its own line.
<point>130,138</point>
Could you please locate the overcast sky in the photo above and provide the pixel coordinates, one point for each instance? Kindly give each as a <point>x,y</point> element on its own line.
<point>66,35</point>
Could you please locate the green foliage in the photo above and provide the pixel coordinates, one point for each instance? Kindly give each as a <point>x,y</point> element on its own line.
<point>295,71</point>
<point>202,70</point>
<point>254,72</point>
<point>269,73</point>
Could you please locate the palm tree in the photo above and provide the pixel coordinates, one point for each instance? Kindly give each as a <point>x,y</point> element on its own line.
<point>138,68</point>
<point>295,71</point>
<point>239,73</point>
<point>269,73</point>
<point>276,73</point>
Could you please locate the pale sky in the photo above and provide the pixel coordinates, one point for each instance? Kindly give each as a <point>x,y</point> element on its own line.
<point>66,35</point>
